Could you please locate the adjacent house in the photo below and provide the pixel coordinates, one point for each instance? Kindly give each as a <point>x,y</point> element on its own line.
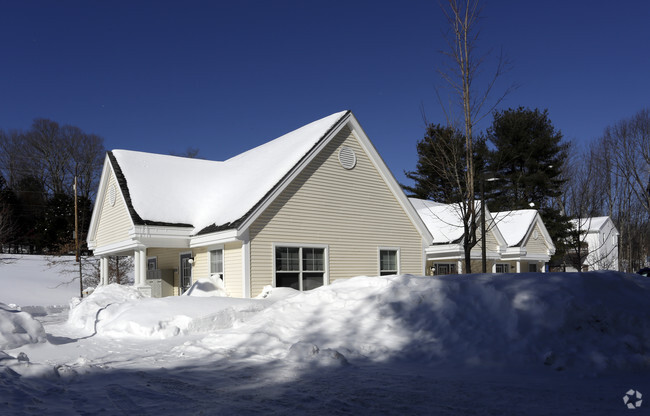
<point>313,206</point>
<point>599,243</point>
<point>516,241</point>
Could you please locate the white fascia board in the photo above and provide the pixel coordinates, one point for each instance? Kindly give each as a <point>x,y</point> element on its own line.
<point>99,202</point>
<point>448,250</point>
<point>514,252</point>
<point>161,236</point>
<point>116,248</point>
<point>389,179</point>
<point>219,237</point>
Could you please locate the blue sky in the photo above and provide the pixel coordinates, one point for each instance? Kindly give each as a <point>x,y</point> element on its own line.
<point>224,77</point>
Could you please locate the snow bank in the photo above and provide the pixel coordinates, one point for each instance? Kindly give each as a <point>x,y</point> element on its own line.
<point>591,322</point>
<point>121,311</point>
<point>18,328</point>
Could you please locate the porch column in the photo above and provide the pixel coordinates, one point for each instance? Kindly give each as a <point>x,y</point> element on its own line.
<point>518,266</point>
<point>143,267</point>
<point>543,267</point>
<point>459,266</point>
<point>136,267</point>
<point>103,271</point>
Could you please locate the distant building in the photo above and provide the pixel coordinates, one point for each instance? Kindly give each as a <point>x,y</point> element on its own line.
<point>599,242</point>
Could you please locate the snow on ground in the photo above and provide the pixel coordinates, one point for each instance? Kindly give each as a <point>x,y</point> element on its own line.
<point>479,344</point>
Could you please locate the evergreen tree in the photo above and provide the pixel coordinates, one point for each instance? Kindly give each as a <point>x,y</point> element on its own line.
<point>528,158</point>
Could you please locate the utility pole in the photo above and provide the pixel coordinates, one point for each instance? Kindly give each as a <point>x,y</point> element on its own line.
<point>76,239</point>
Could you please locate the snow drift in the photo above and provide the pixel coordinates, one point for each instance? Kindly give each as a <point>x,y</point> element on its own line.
<point>590,322</point>
<point>18,328</point>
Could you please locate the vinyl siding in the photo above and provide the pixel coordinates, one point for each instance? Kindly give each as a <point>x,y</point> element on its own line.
<point>114,222</point>
<point>169,258</point>
<point>352,212</point>
<point>536,246</point>
<point>232,256</point>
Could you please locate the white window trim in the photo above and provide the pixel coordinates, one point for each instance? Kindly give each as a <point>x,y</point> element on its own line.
<point>399,259</point>
<point>502,264</point>
<point>223,260</point>
<point>180,266</point>
<point>326,254</point>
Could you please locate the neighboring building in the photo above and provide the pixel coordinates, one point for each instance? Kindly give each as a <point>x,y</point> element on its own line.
<point>601,248</point>
<point>315,205</point>
<point>517,241</point>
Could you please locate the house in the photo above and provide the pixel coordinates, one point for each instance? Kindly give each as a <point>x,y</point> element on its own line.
<point>601,238</point>
<point>516,241</point>
<point>292,212</point>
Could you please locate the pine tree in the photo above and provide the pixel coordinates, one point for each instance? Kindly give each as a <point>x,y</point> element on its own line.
<point>528,159</point>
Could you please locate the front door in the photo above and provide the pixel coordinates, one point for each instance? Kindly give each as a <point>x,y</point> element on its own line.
<point>186,272</point>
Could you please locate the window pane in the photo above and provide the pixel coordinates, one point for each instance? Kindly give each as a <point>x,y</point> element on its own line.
<point>313,259</point>
<point>312,280</point>
<point>291,280</point>
<point>287,259</point>
<point>387,262</point>
<point>216,261</point>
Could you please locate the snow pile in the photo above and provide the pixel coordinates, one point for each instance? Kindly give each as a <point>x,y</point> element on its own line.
<point>591,322</point>
<point>18,328</point>
<point>207,287</point>
<point>85,313</point>
<point>120,311</point>
<point>588,322</point>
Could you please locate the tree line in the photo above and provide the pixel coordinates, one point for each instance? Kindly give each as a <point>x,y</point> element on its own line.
<point>38,168</point>
<point>522,161</point>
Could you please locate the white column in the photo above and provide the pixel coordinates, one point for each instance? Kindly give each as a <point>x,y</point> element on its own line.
<point>136,267</point>
<point>103,270</point>
<point>143,267</point>
<point>518,266</point>
<point>460,266</point>
<point>543,267</point>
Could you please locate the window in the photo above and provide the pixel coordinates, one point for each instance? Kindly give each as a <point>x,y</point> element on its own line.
<point>152,263</point>
<point>388,262</point>
<point>532,267</point>
<point>502,268</point>
<point>300,268</point>
<point>216,263</point>
<point>443,268</point>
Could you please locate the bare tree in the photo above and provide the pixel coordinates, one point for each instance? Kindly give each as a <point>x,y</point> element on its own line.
<point>459,71</point>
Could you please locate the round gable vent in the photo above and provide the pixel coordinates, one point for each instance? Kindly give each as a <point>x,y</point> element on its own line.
<point>347,158</point>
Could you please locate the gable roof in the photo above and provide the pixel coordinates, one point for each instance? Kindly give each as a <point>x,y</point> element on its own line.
<point>515,225</point>
<point>442,220</point>
<point>211,195</point>
<point>591,224</point>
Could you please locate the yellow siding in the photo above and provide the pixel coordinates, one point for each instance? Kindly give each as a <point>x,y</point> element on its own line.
<point>232,256</point>
<point>353,212</point>
<point>114,220</point>
<point>169,258</point>
<point>536,246</point>
<point>201,267</point>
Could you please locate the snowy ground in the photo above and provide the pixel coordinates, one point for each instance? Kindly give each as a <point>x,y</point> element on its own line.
<point>480,345</point>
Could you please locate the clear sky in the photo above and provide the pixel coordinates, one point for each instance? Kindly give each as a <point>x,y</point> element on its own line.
<point>224,77</point>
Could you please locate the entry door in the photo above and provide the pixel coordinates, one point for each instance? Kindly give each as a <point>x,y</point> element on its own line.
<point>186,272</point>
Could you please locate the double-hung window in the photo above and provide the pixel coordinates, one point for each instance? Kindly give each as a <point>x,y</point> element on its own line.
<point>216,263</point>
<point>502,267</point>
<point>300,268</point>
<point>388,262</point>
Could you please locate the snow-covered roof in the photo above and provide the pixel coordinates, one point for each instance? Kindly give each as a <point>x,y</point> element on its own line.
<point>443,220</point>
<point>514,225</point>
<point>590,224</point>
<point>201,193</point>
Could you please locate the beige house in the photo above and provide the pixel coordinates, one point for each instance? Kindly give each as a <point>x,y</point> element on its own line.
<point>293,212</point>
<point>516,241</point>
